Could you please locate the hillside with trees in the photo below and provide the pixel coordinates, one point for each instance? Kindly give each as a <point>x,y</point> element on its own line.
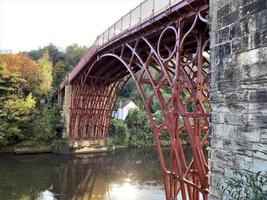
<point>27,115</point>
<point>28,79</point>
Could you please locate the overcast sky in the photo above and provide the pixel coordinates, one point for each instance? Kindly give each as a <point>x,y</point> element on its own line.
<point>30,24</point>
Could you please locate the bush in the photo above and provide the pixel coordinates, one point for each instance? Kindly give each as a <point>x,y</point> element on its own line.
<point>118,131</point>
<point>246,187</point>
<point>43,126</point>
<point>139,129</point>
<point>15,115</point>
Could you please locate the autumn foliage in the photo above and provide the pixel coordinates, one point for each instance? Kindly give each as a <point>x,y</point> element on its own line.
<point>19,64</point>
<point>26,86</point>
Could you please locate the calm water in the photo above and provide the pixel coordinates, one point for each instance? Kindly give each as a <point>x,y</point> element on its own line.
<point>130,174</point>
<point>124,175</point>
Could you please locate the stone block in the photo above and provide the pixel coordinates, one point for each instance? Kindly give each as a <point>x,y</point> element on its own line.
<point>250,135</point>
<point>264,137</point>
<point>260,152</point>
<point>231,18</point>
<point>244,162</point>
<point>261,20</point>
<point>223,50</point>
<point>259,165</point>
<point>225,10</point>
<point>225,131</point>
<point>223,35</point>
<point>217,168</point>
<point>225,157</point>
<point>218,118</point>
<point>216,142</point>
<point>253,7</point>
<point>257,121</point>
<point>235,119</point>
<point>240,44</point>
<point>258,96</point>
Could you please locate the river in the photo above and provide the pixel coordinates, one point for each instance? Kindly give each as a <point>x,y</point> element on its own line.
<point>128,174</point>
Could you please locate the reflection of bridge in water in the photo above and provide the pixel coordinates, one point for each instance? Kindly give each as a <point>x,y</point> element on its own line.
<point>87,180</point>
<point>163,45</point>
<point>109,177</point>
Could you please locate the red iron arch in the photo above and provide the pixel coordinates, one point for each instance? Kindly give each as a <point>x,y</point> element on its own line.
<point>174,59</point>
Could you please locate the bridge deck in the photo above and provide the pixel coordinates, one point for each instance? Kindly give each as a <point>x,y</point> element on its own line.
<point>148,14</point>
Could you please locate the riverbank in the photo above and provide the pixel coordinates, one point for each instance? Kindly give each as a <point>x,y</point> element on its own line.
<point>27,149</point>
<point>62,147</point>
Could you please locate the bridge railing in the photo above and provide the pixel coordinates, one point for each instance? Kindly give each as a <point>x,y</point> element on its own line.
<point>142,13</point>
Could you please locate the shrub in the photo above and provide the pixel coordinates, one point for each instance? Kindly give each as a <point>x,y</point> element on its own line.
<point>246,186</point>
<point>118,131</point>
<point>43,126</point>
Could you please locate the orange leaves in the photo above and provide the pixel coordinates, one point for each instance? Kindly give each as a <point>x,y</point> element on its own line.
<point>22,67</point>
<point>19,64</point>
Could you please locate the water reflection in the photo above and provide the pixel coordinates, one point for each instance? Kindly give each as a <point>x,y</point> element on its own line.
<point>124,175</point>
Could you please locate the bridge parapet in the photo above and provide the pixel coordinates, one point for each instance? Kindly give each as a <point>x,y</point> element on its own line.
<point>139,18</point>
<point>239,91</point>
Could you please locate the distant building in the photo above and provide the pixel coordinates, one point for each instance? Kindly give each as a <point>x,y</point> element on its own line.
<point>122,111</point>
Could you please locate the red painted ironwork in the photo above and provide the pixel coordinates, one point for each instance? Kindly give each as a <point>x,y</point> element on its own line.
<point>170,54</point>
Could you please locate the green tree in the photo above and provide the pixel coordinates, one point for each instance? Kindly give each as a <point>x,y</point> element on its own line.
<point>7,82</point>
<point>73,54</point>
<point>15,110</point>
<point>44,74</point>
<point>58,73</point>
<point>18,113</point>
<point>6,87</point>
<point>43,125</point>
<point>119,131</point>
<point>139,129</point>
<point>54,53</point>
<point>35,54</point>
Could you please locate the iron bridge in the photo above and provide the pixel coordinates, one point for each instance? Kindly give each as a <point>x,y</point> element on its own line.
<point>163,45</point>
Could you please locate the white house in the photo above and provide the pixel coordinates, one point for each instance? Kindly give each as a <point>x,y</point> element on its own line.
<point>122,111</point>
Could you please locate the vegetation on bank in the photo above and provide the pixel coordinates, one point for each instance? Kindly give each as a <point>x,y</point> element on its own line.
<point>135,130</point>
<point>28,117</point>
<point>27,80</point>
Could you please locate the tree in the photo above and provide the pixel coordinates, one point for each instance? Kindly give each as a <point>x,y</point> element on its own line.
<point>118,131</point>
<point>139,129</point>
<point>7,81</point>
<point>54,54</point>
<point>23,67</point>
<point>35,54</point>
<point>73,54</point>
<point>43,125</point>
<point>44,74</point>
<point>59,73</point>
<point>15,110</point>
<point>18,113</point>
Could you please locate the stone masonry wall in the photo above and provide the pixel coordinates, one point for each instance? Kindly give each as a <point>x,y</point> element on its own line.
<point>238,136</point>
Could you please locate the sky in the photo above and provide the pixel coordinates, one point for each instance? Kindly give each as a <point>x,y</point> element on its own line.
<point>30,24</point>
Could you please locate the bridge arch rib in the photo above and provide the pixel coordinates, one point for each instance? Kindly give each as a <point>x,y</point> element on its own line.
<point>173,61</point>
